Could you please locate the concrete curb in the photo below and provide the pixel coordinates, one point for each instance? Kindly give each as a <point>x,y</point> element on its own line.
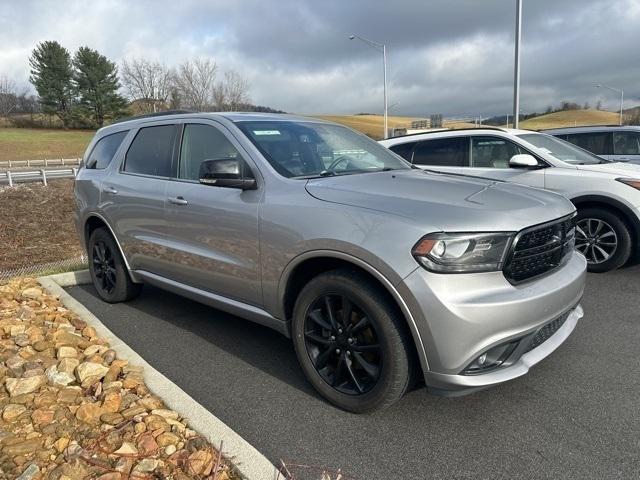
<point>249,461</point>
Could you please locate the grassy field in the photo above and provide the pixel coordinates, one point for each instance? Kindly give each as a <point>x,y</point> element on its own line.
<point>571,118</point>
<point>372,125</point>
<point>37,144</point>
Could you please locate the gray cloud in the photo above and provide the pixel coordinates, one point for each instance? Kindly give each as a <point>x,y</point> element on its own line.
<point>453,57</point>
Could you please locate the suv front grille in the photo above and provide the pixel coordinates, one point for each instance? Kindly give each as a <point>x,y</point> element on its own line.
<point>540,249</point>
<point>546,332</point>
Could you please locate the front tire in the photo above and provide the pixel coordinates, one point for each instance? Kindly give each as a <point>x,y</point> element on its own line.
<point>108,270</point>
<point>603,238</point>
<point>351,342</point>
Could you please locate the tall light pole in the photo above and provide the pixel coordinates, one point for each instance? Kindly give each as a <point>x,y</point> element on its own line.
<point>516,73</point>
<point>383,48</point>
<point>621,92</point>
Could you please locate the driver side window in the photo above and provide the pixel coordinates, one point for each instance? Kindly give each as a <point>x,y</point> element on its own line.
<point>202,142</point>
<point>492,152</point>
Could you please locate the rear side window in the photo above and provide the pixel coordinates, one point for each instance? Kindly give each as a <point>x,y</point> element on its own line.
<point>104,150</point>
<point>151,151</point>
<point>492,152</point>
<point>599,143</point>
<point>445,152</point>
<point>199,143</point>
<point>403,149</point>
<point>626,143</point>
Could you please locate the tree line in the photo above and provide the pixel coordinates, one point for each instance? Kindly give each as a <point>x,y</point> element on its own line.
<point>84,89</point>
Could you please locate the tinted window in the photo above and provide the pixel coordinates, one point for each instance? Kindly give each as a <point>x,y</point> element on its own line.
<point>150,152</point>
<point>596,142</point>
<point>626,143</point>
<point>104,150</point>
<point>446,152</point>
<point>403,149</point>
<point>199,143</point>
<point>492,152</point>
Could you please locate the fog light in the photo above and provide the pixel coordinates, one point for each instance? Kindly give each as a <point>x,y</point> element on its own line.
<point>491,359</point>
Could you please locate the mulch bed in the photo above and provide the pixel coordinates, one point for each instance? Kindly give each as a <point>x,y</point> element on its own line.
<point>36,224</point>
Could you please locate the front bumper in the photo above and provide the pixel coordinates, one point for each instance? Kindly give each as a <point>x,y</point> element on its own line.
<point>461,316</point>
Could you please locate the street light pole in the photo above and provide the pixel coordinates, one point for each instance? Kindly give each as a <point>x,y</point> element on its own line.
<point>516,73</point>
<point>621,92</point>
<point>383,48</point>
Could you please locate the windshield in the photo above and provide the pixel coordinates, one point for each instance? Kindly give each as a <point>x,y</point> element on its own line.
<point>560,149</point>
<point>307,149</point>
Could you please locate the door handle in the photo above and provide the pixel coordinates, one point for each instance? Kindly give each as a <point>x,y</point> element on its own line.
<point>178,201</point>
<point>110,190</point>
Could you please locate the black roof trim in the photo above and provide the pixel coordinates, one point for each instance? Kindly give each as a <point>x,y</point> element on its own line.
<point>151,115</point>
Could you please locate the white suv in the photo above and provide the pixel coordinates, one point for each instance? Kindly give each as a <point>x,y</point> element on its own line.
<point>606,194</point>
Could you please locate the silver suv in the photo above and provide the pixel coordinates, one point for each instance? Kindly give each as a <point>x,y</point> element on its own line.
<point>379,272</point>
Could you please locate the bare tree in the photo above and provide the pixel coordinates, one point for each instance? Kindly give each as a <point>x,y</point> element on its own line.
<point>148,82</point>
<point>195,82</point>
<point>231,92</point>
<point>8,95</point>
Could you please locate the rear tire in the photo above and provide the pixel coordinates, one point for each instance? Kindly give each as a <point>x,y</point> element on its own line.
<point>361,360</point>
<point>108,271</point>
<point>604,238</point>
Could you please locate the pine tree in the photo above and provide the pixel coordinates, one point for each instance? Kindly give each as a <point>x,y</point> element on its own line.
<point>51,75</point>
<point>96,81</point>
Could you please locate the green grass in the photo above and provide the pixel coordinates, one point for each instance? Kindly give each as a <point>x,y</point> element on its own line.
<point>37,144</point>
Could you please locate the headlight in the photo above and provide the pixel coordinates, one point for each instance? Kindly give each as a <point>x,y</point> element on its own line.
<point>632,182</point>
<point>463,252</point>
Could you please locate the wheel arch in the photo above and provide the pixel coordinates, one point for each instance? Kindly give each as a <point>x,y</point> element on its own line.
<point>306,266</point>
<point>614,206</point>
<point>95,221</point>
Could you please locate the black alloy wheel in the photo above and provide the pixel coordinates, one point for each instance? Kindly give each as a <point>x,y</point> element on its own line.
<point>104,267</point>
<point>352,342</point>
<point>109,272</point>
<point>343,344</point>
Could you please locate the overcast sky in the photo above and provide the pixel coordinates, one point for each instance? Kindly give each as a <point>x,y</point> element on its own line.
<point>452,56</point>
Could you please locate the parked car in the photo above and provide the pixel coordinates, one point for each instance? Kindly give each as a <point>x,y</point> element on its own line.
<point>378,271</point>
<point>606,194</point>
<point>617,143</point>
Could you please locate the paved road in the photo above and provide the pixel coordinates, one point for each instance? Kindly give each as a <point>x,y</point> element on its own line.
<point>576,415</point>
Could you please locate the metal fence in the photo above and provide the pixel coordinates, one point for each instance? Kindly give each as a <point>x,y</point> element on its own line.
<point>43,175</point>
<point>71,264</point>
<point>47,162</point>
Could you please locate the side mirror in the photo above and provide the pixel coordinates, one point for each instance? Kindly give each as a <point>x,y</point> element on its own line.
<point>226,172</point>
<point>523,160</point>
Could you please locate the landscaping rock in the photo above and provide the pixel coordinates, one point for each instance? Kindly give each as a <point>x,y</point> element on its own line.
<point>71,410</point>
<point>19,386</point>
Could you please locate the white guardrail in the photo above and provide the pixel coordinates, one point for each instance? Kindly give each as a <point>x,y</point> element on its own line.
<point>47,162</point>
<point>42,175</point>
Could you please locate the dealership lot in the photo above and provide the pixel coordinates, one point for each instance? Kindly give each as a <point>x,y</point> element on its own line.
<point>575,415</point>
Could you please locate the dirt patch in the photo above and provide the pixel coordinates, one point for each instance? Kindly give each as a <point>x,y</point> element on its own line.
<point>36,224</point>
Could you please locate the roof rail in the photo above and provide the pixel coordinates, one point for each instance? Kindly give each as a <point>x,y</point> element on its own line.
<point>574,127</point>
<point>440,130</point>
<point>155,114</point>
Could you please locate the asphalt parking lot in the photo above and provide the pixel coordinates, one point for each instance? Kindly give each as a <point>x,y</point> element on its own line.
<point>576,415</point>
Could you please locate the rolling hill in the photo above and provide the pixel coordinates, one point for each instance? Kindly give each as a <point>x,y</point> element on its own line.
<point>571,118</point>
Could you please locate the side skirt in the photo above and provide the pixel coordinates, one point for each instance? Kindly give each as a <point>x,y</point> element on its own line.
<point>249,312</point>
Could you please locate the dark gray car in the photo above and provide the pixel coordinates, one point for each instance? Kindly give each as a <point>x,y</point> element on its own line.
<point>615,143</point>
<point>379,272</point>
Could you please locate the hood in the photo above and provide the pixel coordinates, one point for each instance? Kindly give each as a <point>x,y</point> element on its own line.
<point>454,203</point>
<point>630,170</point>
